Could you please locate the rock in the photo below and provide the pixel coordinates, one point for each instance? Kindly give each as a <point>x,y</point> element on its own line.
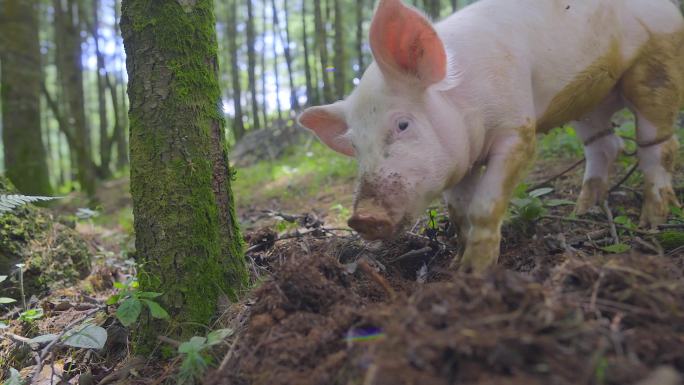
<point>266,144</point>
<point>53,253</point>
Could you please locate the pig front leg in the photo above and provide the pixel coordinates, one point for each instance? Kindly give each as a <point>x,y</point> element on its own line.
<point>510,153</point>
<point>457,200</point>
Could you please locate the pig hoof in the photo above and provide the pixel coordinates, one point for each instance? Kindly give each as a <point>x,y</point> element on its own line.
<point>479,258</point>
<point>656,206</point>
<point>593,192</point>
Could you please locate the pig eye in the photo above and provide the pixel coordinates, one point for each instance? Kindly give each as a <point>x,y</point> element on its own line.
<point>402,125</point>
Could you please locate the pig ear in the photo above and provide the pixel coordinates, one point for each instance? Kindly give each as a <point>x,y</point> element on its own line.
<point>329,124</point>
<point>403,42</point>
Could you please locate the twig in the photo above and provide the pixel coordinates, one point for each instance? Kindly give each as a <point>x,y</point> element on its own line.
<point>169,341</point>
<point>328,231</point>
<point>47,349</point>
<point>595,223</point>
<point>228,355</point>
<point>554,177</point>
<point>611,222</point>
<point>412,254</point>
<point>18,338</point>
<point>671,226</point>
<point>365,267</point>
<point>624,178</point>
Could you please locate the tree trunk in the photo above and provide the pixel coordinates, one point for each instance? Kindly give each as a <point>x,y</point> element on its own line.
<point>187,235</point>
<point>321,43</point>
<point>276,76</point>
<point>264,102</point>
<point>121,136</point>
<point>238,123</point>
<point>433,8</point>
<point>251,62</point>
<point>68,38</point>
<point>454,5</point>
<point>294,103</point>
<point>311,91</point>
<point>359,36</point>
<point>340,52</point>
<point>106,141</point>
<point>25,157</point>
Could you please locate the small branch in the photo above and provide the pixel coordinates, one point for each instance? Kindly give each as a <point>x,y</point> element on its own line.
<point>48,349</point>
<point>379,279</point>
<point>412,254</point>
<point>169,341</point>
<point>624,178</point>
<point>595,223</point>
<point>611,222</point>
<point>554,177</point>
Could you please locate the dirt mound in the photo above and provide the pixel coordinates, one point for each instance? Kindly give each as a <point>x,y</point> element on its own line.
<point>326,318</point>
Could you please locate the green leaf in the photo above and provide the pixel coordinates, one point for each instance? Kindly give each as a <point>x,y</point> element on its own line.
<point>113,299</point>
<point>128,311</point>
<point>616,248</point>
<point>5,300</point>
<point>195,345</point>
<point>45,338</point>
<point>31,314</point>
<point>119,285</point>
<point>148,294</point>
<point>3,278</point>
<point>3,325</point>
<point>540,191</point>
<point>558,202</point>
<point>88,336</point>
<point>218,335</point>
<point>155,309</point>
<point>15,378</point>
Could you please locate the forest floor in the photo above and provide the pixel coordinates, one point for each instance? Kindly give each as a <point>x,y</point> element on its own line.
<point>571,301</point>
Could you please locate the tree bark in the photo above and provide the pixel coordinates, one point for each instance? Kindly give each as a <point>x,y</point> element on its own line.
<point>106,142</point>
<point>68,38</point>
<point>238,123</point>
<point>251,63</point>
<point>321,43</point>
<point>264,101</point>
<point>25,156</point>
<point>187,235</point>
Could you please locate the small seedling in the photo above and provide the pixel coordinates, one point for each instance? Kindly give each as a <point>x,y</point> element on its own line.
<point>131,302</point>
<point>195,361</point>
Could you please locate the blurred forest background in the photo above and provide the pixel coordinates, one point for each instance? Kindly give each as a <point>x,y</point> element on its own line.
<point>64,103</point>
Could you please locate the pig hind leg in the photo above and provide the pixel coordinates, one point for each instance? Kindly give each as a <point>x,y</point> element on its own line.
<point>653,89</point>
<point>601,148</point>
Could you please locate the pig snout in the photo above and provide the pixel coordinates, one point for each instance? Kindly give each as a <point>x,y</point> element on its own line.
<point>371,226</point>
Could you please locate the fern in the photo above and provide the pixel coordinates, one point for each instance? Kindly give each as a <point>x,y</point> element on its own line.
<point>10,202</point>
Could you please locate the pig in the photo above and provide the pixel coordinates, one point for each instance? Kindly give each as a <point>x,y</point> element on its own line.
<point>453,108</point>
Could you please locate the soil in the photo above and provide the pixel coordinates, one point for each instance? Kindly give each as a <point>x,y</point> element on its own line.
<point>334,311</point>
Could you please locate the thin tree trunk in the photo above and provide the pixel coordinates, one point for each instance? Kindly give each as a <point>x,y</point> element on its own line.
<point>264,101</point>
<point>454,5</point>
<point>276,72</point>
<point>186,231</point>
<point>106,142</point>
<point>122,137</point>
<point>359,36</point>
<point>340,52</point>
<point>294,103</point>
<point>251,63</point>
<point>238,123</point>
<point>322,45</point>
<point>24,153</point>
<point>311,91</point>
<point>68,37</point>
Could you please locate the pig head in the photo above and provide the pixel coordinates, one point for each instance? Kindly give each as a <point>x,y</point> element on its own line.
<point>403,133</point>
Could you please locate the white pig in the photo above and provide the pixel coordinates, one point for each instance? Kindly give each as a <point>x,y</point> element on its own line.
<point>452,108</point>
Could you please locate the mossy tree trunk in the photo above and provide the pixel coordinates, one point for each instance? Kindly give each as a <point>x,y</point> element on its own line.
<point>186,231</point>
<point>25,156</point>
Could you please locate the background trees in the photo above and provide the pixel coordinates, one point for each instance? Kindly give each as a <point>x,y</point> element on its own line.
<point>67,127</point>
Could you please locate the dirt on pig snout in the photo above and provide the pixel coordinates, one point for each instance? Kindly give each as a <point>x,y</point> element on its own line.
<point>588,320</point>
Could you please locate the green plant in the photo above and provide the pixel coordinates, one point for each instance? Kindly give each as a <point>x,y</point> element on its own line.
<point>195,360</point>
<point>5,300</point>
<point>14,378</point>
<point>131,301</point>
<point>527,207</point>
<point>9,202</point>
<point>31,315</point>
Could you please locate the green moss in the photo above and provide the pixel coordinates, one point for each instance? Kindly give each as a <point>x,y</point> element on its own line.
<point>671,239</point>
<point>189,250</point>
